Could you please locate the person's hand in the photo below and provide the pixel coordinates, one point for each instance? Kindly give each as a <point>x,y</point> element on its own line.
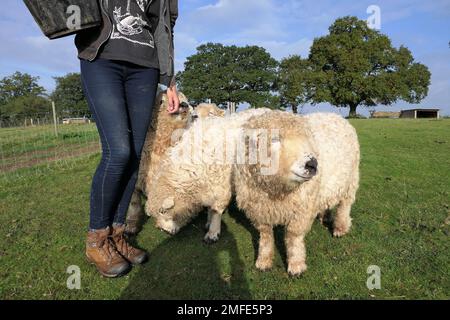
<point>174,102</point>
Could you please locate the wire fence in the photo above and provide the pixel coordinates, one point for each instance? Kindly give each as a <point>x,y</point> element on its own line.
<point>32,141</point>
<point>29,142</point>
<point>37,119</point>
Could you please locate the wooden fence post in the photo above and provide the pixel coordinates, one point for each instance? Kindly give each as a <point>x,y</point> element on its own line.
<point>54,118</point>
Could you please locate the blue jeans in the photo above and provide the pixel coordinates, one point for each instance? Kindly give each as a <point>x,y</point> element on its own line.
<point>120,96</point>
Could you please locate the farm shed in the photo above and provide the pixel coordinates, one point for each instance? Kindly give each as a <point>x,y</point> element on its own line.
<point>420,113</point>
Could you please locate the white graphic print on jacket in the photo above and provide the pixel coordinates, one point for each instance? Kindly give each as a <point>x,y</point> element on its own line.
<point>129,25</point>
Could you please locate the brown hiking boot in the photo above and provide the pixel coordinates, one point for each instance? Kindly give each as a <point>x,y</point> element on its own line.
<point>101,252</point>
<point>132,254</point>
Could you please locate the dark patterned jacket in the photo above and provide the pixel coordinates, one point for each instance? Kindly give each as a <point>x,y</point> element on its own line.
<point>89,41</point>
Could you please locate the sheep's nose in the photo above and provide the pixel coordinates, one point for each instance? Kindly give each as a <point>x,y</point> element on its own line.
<point>311,166</point>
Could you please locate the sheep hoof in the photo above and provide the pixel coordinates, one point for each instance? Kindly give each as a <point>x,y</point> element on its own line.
<point>131,229</point>
<point>340,232</point>
<point>296,269</point>
<point>211,239</point>
<point>263,264</point>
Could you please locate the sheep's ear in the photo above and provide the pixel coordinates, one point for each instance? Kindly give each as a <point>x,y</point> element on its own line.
<point>181,96</point>
<point>168,203</point>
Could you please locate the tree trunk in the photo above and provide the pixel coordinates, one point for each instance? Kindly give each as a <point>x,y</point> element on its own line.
<point>294,109</point>
<point>352,113</point>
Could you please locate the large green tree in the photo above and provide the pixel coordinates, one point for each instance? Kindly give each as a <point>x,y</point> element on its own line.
<point>69,96</point>
<point>230,74</point>
<point>293,82</point>
<point>27,106</point>
<point>354,65</point>
<point>20,95</point>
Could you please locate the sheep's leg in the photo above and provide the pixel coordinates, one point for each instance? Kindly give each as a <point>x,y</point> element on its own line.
<point>266,247</point>
<point>295,247</point>
<point>208,221</point>
<point>324,217</point>
<point>135,213</point>
<point>213,225</point>
<point>342,220</point>
<point>215,212</point>
<point>321,216</point>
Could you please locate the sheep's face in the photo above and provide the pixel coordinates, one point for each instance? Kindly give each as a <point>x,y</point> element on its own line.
<point>168,224</point>
<point>184,116</point>
<point>170,218</point>
<point>295,161</point>
<point>205,110</point>
<point>298,159</point>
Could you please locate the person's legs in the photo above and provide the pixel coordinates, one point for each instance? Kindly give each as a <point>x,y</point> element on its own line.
<point>103,85</point>
<point>140,89</point>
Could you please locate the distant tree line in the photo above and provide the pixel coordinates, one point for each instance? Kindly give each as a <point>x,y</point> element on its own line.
<point>22,97</point>
<point>351,66</point>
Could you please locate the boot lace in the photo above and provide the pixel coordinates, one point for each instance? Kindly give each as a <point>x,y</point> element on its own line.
<point>122,244</point>
<point>107,248</point>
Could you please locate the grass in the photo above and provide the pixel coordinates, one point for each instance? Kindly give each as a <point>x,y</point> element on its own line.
<point>21,147</point>
<point>401,224</point>
<point>17,140</point>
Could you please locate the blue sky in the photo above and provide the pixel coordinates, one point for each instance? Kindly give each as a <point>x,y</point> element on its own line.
<point>283,27</point>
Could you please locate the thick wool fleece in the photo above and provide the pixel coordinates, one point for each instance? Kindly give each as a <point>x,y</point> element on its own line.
<point>196,173</point>
<point>185,186</point>
<point>335,145</point>
<point>164,131</point>
<point>204,110</point>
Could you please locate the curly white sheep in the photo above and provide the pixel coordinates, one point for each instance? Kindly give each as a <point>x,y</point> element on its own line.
<point>160,136</point>
<point>204,110</point>
<point>318,170</point>
<point>196,173</point>
<point>317,161</point>
<point>165,131</point>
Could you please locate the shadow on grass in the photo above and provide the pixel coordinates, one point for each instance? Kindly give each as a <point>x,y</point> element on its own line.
<point>240,218</point>
<point>183,267</point>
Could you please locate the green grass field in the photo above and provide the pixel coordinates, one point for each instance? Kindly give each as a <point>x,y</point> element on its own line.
<point>22,148</point>
<point>401,223</point>
<point>17,141</point>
